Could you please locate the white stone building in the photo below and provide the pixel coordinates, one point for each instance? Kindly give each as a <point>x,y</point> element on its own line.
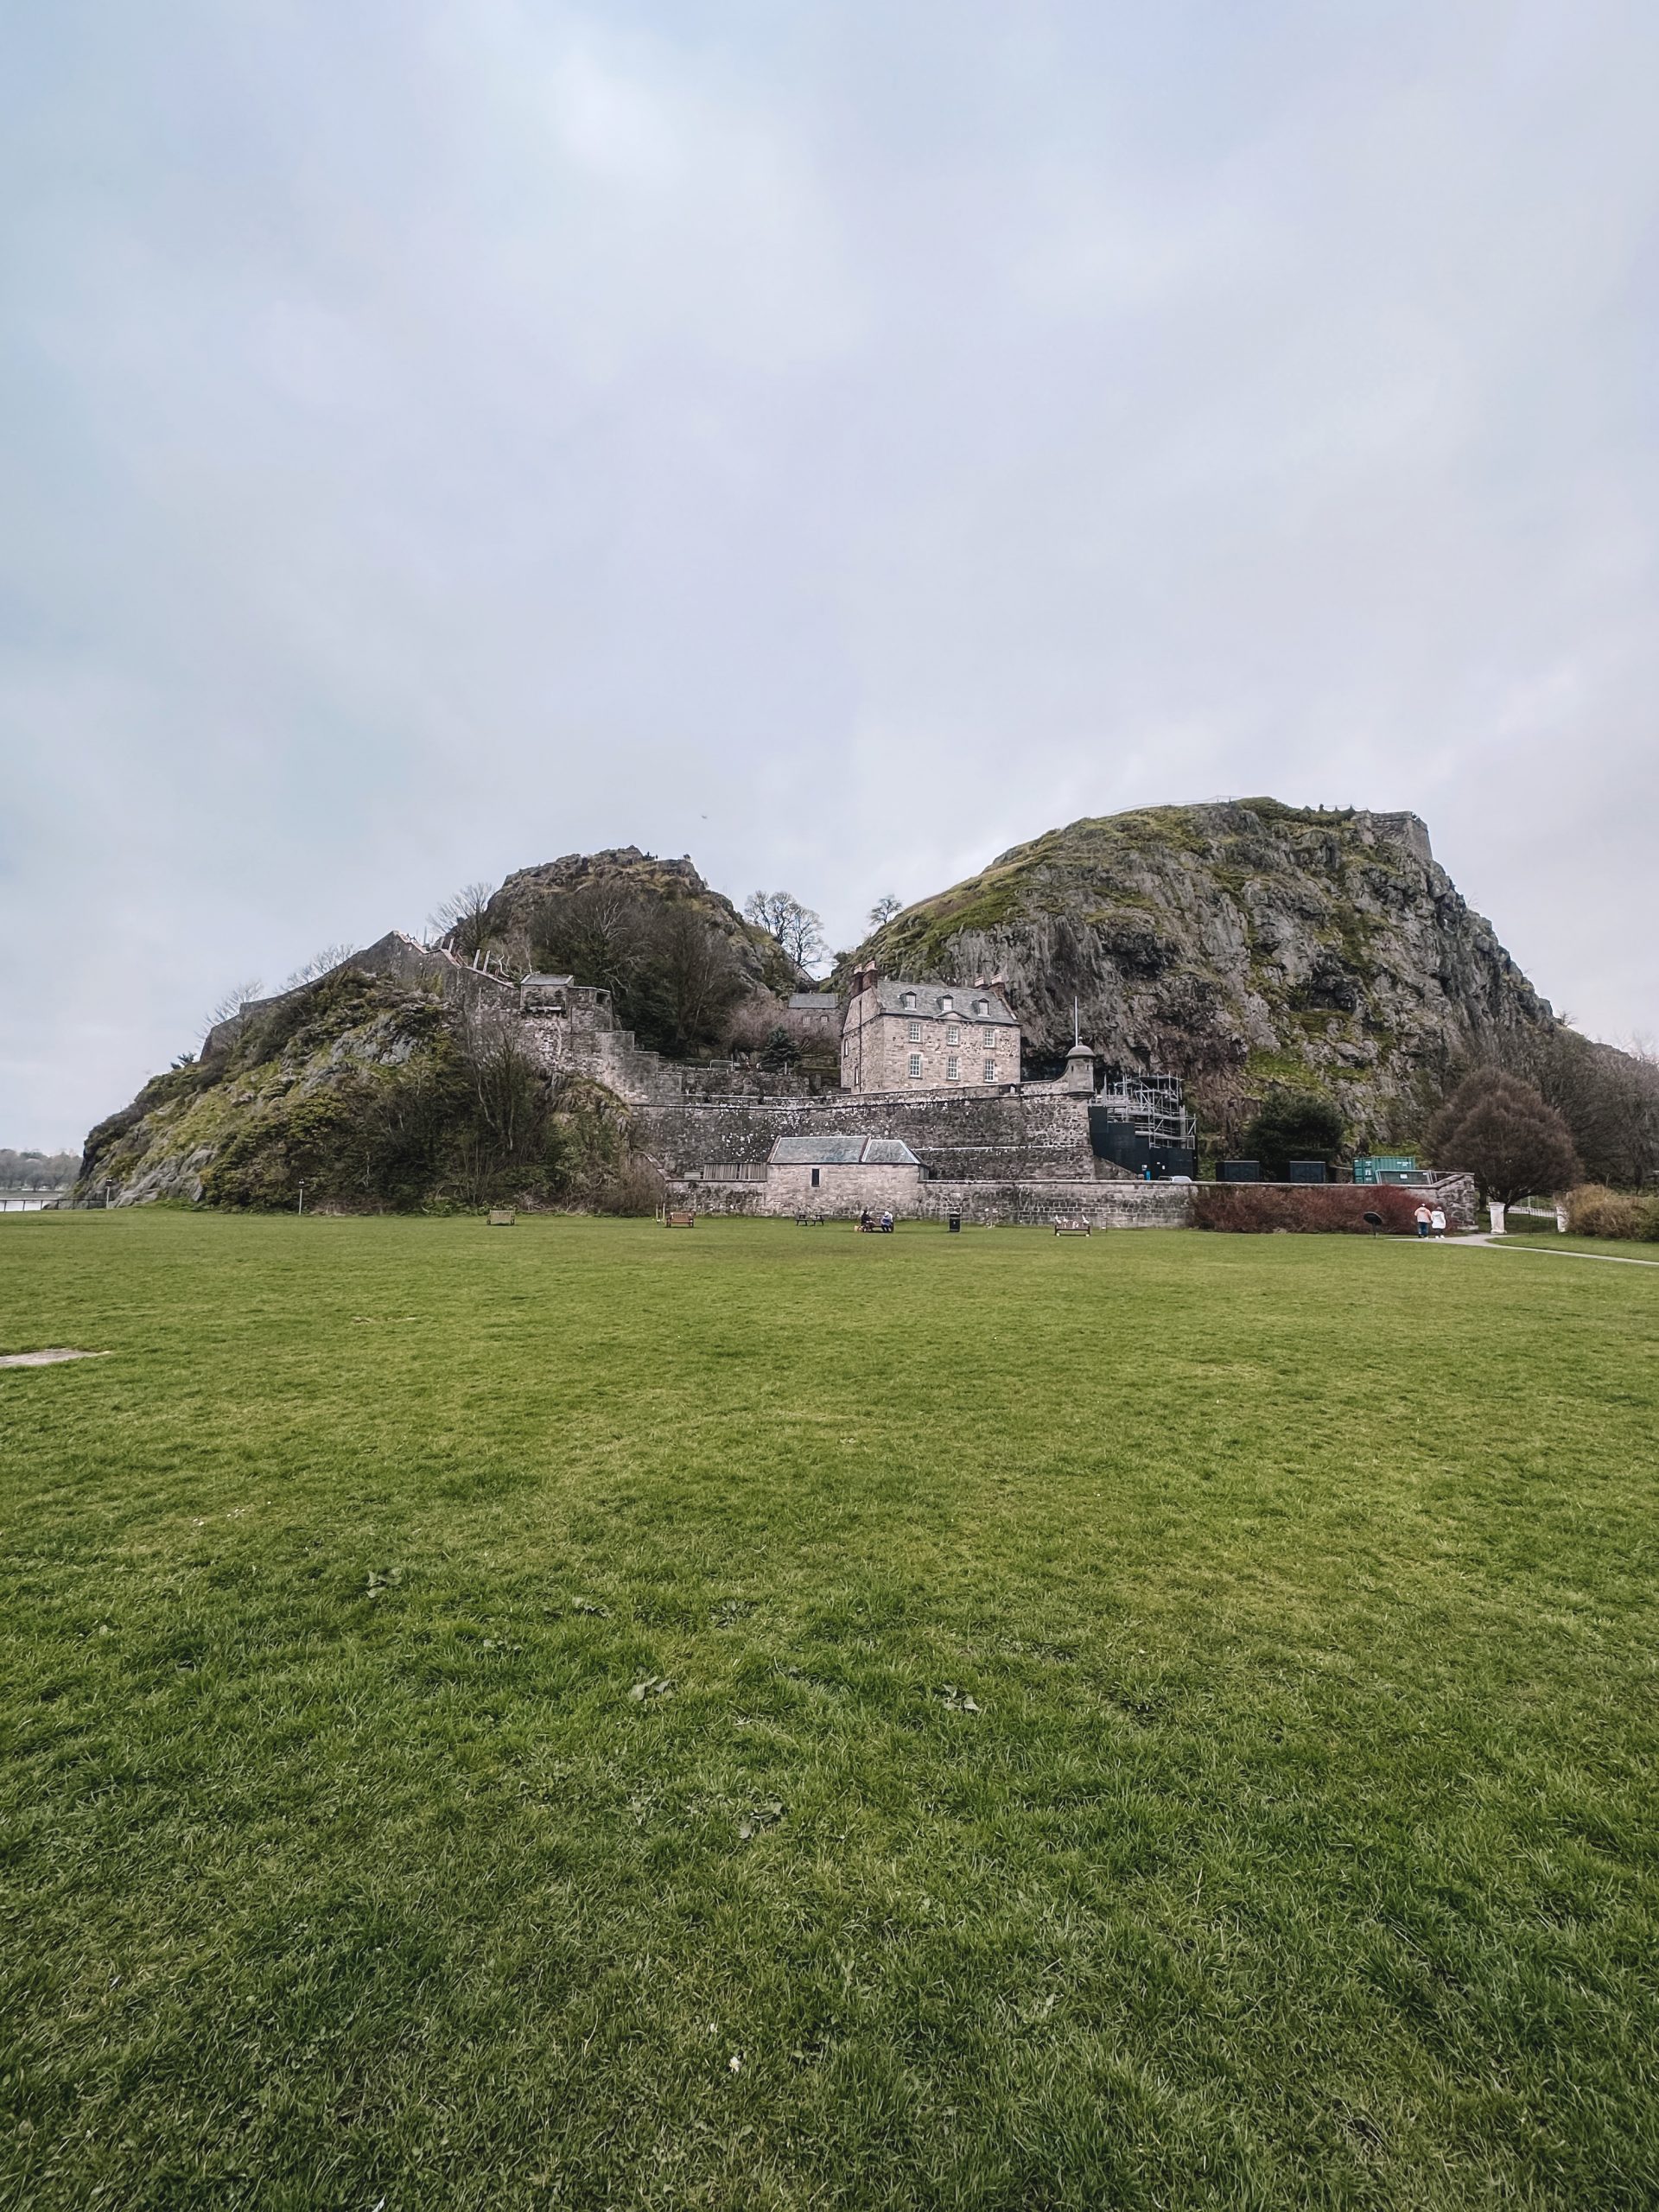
<point>901,1036</point>
<point>843,1176</point>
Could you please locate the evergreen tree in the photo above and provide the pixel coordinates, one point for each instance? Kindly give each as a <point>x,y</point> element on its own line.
<point>1294,1125</point>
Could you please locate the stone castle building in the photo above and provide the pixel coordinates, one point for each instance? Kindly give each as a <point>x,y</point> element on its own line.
<point>929,1142</point>
<point>973,1140</point>
<point>921,1036</point>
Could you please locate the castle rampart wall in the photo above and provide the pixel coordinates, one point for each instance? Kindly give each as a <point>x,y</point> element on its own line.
<point>1005,1136</point>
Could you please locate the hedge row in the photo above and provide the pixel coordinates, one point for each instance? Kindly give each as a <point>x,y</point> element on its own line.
<point>1317,1208</point>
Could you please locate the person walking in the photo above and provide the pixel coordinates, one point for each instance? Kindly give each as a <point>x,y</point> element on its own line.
<point>1422,1217</point>
<point>1437,1221</point>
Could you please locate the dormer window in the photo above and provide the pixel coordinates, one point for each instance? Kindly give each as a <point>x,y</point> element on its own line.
<point>946,1003</point>
<point>981,1006</point>
<point>909,999</point>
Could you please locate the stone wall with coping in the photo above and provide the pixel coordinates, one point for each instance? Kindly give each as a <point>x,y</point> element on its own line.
<point>1037,1205</point>
<point>1455,1194</point>
<point>1003,1135</point>
<point>981,1205</point>
<point>989,1203</point>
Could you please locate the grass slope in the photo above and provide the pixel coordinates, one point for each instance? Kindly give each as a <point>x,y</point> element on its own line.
<point>1301,1849</point>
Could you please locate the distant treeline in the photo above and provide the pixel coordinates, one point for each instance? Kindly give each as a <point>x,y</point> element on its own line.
<point>37,1171</point>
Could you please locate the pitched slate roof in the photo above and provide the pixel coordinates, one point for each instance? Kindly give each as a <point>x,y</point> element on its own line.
<point>842,1152</point>
<point>813,1003</point>
<point>965,999</point>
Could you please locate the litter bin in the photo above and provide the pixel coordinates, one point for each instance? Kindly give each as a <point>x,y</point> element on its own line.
<point>953,1222</point>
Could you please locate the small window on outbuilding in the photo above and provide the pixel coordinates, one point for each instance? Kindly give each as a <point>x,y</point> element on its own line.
<point>818,1175</point>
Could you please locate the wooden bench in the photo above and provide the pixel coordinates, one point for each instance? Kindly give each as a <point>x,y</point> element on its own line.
<point>809,1221</point>
<point>1072,1225</point>
<point>679,1221</point>
<point>502,1217</point>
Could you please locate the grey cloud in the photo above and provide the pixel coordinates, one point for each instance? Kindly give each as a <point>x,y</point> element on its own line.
<point>836,441</point>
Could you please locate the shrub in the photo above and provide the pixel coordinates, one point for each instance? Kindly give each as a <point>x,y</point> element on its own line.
<point>1312,1207</point>
<point>1594,1210</point>
<point>634,1186</point>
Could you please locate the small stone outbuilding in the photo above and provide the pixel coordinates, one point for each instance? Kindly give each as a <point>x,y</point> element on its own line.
<point>843,1176</point>
<point>813,1018</point>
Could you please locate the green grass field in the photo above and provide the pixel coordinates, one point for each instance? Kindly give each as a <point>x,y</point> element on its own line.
<point>1617,1248</point>
<point>1164,1720</point>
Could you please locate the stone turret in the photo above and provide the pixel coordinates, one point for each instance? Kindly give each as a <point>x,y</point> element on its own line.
<point>1080,1069</point>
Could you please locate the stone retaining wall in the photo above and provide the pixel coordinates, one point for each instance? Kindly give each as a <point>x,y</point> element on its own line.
<point>988,1204</point>
<point>1103,1205</point>
<point>1005,1136</point>
<point>982,1205</point>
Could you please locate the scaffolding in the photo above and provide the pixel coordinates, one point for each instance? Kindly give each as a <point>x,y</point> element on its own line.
<point>1152,1105</point>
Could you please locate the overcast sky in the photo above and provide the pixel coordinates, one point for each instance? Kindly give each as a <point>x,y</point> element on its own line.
<point>836,441</point>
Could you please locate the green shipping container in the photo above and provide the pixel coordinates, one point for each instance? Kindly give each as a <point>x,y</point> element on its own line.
<point>1372,1167</point>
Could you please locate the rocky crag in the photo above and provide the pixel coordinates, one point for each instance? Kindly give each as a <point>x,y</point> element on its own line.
<point>393,1081</point>
<point>1239,945</point>
<point>526,912</point>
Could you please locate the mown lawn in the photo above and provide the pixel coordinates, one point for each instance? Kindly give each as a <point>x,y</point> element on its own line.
<point>1157,1721</point>
<point>1617,1248</point>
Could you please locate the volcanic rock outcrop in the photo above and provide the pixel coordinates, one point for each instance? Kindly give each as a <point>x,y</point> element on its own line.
<point>1237,944</point>
<point>1241,946</point>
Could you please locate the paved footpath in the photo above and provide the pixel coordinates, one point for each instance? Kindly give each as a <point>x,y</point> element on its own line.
<point>1549,1251</point>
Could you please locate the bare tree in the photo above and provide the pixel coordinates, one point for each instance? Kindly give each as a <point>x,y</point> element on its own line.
<point>884,910</point>
<point>463,919</point>
<point>234,1001</point>
<point>509,1085</point>
<point>601,933</point>
<point>797,928</point>
<point>319,964</point>
<point>1608,1098</point>
<point>701,979</point>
